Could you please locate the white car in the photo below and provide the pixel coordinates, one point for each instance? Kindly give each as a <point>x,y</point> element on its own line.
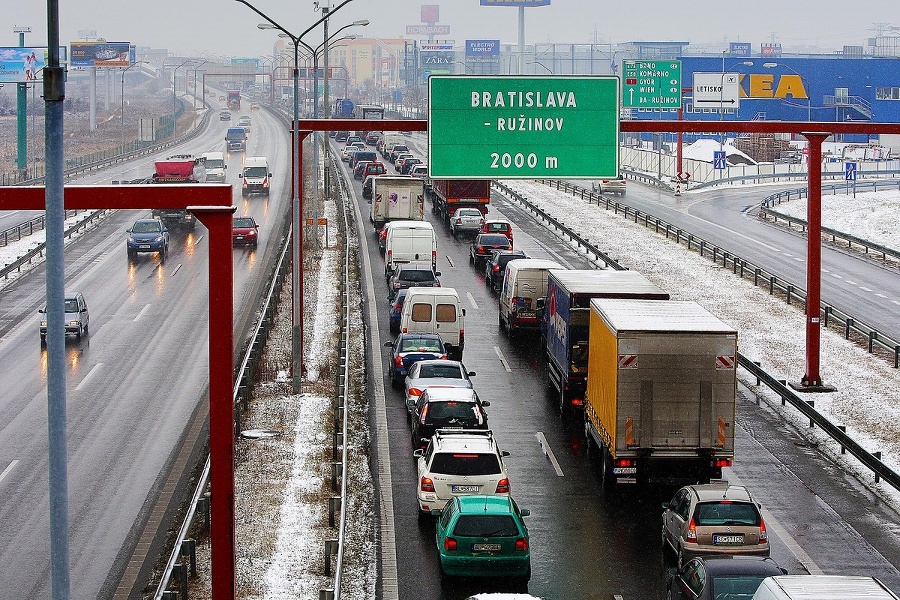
<point>435,373</point>
<point>466,220</point>
<point>459,462</point>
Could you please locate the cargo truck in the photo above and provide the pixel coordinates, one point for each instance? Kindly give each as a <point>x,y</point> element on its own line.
<point>236,139</point>
<point>179,168</point>
<point>661,391</point>
<point>448,195</point>
<point>564,316</point>
<point>396,198</point>
<point>234,99</point>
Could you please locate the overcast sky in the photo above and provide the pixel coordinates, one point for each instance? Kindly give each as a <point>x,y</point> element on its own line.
<point>228,28</point>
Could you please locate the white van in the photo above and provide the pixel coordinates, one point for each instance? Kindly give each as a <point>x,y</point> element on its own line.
<point>408,242</point>
<point>524,283</point>
<point>822,587</point>
<point>255,175</point>
<point>214,163</point>
<point>436,310</point>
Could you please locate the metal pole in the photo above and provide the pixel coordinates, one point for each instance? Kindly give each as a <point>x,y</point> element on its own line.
<point>297,239</point>
<point>813,260</point>
<point>54,94</point>
<point>22,116</point>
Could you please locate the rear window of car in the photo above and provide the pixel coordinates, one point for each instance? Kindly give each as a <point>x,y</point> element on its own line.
<point>242,222</point>
<point>469,212</point>
<point>441,371</point>
<point>726,513</point>
<point>457,463</point>
<point>495,227</point>
<point>416,275</point>
<point>451,410</point>
<point>422,344</point>
<point>486,526</point>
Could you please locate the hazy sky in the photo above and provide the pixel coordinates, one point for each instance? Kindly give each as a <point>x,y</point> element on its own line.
<point>228,28</point>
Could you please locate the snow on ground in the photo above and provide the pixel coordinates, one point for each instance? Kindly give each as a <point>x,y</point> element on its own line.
<point>867,400</point>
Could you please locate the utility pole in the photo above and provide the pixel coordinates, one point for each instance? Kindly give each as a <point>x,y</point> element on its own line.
<point>21,116</point>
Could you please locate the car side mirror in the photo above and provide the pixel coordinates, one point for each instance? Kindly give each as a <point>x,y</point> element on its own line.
<point>464,312</point>
<point>485,403</point>
<point>436,512</point>
<point>524,512</point>
<point>666,505</point>
<point>419,453</point>
<point>783,570</point>
<point>437,273</point>
<point>504,453</point>
<point>471,373</point>
<point>165,230</point>
<point>270,174</point>
<point>225,167</point>
<point>41,310</point>
<point>388,344</point>
<point>240,175</point>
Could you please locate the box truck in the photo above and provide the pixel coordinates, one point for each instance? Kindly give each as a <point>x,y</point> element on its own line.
<point>661,391</point>
<point>396,198</point>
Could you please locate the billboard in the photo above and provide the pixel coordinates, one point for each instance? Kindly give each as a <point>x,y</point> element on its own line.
<point>515,2</point>
<point>741,48</point>
<point>427,30</point>
<point>19,65</point>
<point>431,13</point>
<point>101,54</point>
<point>482,48</point>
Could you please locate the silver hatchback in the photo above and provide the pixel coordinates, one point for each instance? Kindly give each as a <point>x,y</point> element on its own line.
<point>466,220</point>
<point>77,317</point>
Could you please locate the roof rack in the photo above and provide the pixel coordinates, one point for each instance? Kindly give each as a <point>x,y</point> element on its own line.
<point>445,431</point>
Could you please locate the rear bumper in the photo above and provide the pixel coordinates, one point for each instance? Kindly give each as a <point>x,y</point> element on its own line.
<point>486,566</point>
<point>690,551</point>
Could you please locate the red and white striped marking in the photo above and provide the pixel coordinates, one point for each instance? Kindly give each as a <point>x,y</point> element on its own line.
<point>628,361</point>
<point>725,362</point>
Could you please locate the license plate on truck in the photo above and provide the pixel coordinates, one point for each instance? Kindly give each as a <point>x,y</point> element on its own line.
<point>464,489</point>
<point>728,539</point>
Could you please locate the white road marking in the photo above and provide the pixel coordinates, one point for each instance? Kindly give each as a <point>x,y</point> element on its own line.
<point>502,359</point>
<point>836,276</point>
<point>472,300</point>
<point>88,376</point>
<point>549,453</point>
<point>450,261</point>
<point>142,313</point>
<point>865,289</point>
<point>798,258</point>
<point>178,268</point>
<point>9,468</point>
<point>197,241</point>
<point>897,302</point>
<point>826,271</point>
<point>881,296</point>
<point>852,282</point>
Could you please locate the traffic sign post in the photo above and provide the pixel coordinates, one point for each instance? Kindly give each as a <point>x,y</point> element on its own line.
<point>850,175</point>
<point>719,160</point>
<point>720,91</point>
<point>651,84</point>
<point>560,127</point>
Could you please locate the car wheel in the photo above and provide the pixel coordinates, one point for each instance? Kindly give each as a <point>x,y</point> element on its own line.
<point>43,340</point>
<point>424,519</point>
<point>254,245</point>
<point>131,255</point>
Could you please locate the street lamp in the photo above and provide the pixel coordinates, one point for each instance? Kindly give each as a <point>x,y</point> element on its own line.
<point>194,103</point>
<point>122,96</point>
<point>174,97</point>
<point>296,241</point>
<point>772,65</point>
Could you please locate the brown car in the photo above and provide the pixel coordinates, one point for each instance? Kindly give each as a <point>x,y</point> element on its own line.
<point>715,518</point>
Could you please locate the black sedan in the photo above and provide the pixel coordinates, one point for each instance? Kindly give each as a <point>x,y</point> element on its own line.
<point>412,275</point>
<point>484,243</point>
<point>721,577</point>
<point>495,268</point>
<point>410,348</point>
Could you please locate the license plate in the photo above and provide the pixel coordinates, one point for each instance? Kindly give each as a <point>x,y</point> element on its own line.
<point>239,238</point>
<point>624,470</point>
<point>486,547</point>
<point>525,314</point>
<point>144,246</point>
<point>463,489</point>
<point>728,539</point>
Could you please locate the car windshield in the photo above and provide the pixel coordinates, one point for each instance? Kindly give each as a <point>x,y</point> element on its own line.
<point>451,412</point>
<point>441,371</point>
<point>255,172</point>
<point>71,305</point>
<point>244,222</point>
<point>416,275</point>
<point>726,513</point>
<point>420,345</point>
<point>486,526</point>
<point>735,587</point>
<point>214,164</point>
<point>146,227</point>
<point>452,463</point>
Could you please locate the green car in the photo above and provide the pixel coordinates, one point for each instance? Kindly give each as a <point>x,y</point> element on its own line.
<point>483,536</point>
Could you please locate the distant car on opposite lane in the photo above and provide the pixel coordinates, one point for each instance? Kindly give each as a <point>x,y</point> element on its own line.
<point>77,319</point>
<point>147,235</point>
<point>244,231</point>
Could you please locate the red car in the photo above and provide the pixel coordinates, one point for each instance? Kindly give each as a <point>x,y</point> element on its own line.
<point>244,231</point>
<point>498,226</point>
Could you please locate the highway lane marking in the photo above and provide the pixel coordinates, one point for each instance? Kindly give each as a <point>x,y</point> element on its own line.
<point>472,300</point>
<point>88,376</point>
<point>502,359</point>
<point>865,289</point>
<point>549,453</point>
<point>852,282</point>
<point>8,468</point>
<point>178,268</point>
<point>897,302</point>
<point>836,276</point>
<point>881,295</point>
<point>142,313</point>
<point>449,260</point>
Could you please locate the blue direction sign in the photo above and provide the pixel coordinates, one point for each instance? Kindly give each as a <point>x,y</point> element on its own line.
<point>850,171</point>
<point>719,159</point>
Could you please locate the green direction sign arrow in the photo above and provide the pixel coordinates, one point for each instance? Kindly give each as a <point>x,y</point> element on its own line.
<point>559,127</point>
<point>651,84</point>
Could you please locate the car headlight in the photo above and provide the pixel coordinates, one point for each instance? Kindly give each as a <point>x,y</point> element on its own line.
<point>44,324</point>
<point>158,238</point>
<point>73,323</point>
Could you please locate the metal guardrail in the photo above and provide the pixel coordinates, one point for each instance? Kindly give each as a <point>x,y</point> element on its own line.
<point>844,322</point>
<point>15,234</point>
<point>869,248</point>
<point>871,460</point>
<point>801,175</point>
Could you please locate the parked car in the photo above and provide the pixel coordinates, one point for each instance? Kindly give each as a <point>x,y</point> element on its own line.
<point>396,311</point>
<point>482,245</point>
<point>495,267</point>
<point>412,275</point>
<point>244,231</point>
<point>409,348</point>
<point>714,518</point>
<point>458,462</point>
<point>147,235</point>
<point>77,319</point>
<point>435,373</point>
<point>613,186</point>
<point>466,220</point>
<point>484,536</point>
<point>498,226</point>
<point>717,577</point>
<point>439,407</point>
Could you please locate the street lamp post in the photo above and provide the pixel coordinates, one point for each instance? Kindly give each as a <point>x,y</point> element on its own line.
<point>175,98</point>
<point>194,102</point>
<point>772,65</point>
<point>122,96</point>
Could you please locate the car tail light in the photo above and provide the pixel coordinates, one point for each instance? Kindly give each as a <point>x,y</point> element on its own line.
<point>502,486</point>
<point>691,535</point>
<point>722,462</point>
<point>577,402</point>
<point>424,415</point>
<point>244,184</point>
<point>458,221</point>
<point>479,250</point>
<point>449,544</point>
<point>522,544</point>
<point>496,268</point>
<point>398,362</point>
<point>444,357</point>
<point>389,253</point>
<point>462,338</point>
<point>414,392</point>
<point>265,182</point>
<point>426,484</point>
<point>396,285</point>
<point>763,534</point>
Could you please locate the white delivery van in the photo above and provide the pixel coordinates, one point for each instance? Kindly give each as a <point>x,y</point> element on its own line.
<point>436,310</point>
<point>822,587</point>
<point>255,175</point>
<point>524,283</point>
<point>408,242</point>
<point>214,163</point>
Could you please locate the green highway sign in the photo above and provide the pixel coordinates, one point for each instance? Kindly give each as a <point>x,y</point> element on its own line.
<point>496,127</point>
<point>651,84</point>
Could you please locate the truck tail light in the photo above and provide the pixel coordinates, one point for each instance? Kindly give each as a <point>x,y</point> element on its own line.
<point>462,338</point>
<point>692,531</point>
<point>265,182</point>
<point>522,544</point>
<point>763,534</point>
<point>577,402</point>
<point>426,485</point>
<point>502,486</point>
<point>449,544</point>
<point>721,462</point>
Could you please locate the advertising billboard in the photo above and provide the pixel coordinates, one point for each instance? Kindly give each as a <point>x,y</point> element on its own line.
<point>482,48</point>
<point>431,13</point>
<point>515,2</point>
<point>101,54</point>
<point>19,65</point>
<point>739,49</point>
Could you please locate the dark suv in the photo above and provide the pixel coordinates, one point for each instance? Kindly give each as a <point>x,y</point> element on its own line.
<point>496,266</point>
<point>484,243</point>
<point>439,407</point>
<point>411,275</point>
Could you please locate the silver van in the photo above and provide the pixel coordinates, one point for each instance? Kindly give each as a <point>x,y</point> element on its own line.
<point>214,163</point>
<point>822,587</point>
